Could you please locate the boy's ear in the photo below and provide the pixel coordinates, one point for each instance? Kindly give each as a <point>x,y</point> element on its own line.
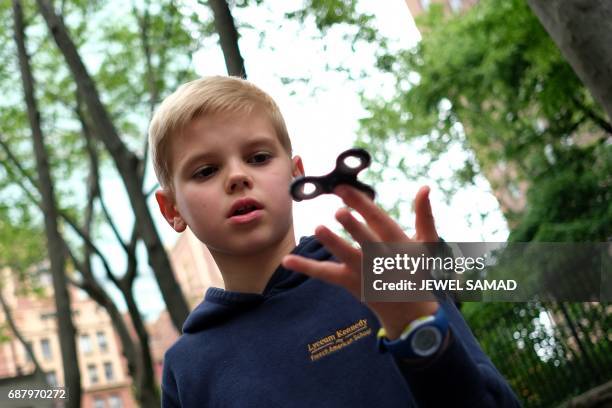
<point>298,167</point>
<point>167,207</point>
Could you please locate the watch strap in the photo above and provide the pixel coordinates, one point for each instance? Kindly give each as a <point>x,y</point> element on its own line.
<point>402,346</point>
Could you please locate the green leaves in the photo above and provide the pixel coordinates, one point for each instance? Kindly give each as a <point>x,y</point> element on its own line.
<point>19,225</point>
<point>136,56</point>
<point>330,13</point>
<point>492,81</point>
<point>573,199</point>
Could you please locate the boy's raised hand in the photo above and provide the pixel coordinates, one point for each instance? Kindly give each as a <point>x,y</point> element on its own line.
<point>379,227</point>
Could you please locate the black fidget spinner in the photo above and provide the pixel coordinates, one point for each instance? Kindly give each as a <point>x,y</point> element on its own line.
<point>348,165</point>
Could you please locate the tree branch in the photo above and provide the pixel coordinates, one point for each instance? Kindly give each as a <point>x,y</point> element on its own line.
<point>80,232</point>
<point>590,113</point>
<point>144,23</point>
<point>228,37</point>
<point>38,371</point>
<point>13,159</point>
<point>132,270</point>
<point>76,283</point>
<point>112,224</point>
<point>93,289</point>
<point>127,163</point>
<point>96,190</point>
<point>152,190</point>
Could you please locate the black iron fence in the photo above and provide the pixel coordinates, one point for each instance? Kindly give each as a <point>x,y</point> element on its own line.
<point>548,352</point>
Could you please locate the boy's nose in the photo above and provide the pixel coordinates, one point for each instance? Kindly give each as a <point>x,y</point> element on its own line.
<point>238,182</point>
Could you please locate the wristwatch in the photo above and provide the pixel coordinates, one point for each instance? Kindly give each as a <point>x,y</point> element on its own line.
<point>422,338</point>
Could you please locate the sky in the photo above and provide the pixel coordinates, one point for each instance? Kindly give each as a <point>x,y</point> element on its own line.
<point>322,113</point>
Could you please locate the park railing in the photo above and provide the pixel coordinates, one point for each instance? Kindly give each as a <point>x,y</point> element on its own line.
<point>548,352</point>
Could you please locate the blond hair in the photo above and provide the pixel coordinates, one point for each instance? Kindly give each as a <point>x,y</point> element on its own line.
<point>206,96</point>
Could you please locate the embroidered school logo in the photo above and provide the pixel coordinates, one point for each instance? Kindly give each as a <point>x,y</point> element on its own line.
<point>339,339</point>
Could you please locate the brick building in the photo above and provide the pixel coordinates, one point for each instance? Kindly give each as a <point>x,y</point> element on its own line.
<point>104,376</point>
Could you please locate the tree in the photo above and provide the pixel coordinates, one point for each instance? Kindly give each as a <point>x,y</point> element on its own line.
<point>136,351</point>
<point>66,332</point>
<point>494,83</point>
<point>581,30</point>
<point>129,165</point>
<point>228,37</point>
<point>120,68</point>
<point>130,87</point>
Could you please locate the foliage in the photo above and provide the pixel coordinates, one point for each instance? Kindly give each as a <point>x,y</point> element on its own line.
<point>4,333</point>
<point>329,13</point>
<point>136,58</point>
<point>22,248</point>
<point>573,199</point>
<point>18,225</point>
<point>491,81</point>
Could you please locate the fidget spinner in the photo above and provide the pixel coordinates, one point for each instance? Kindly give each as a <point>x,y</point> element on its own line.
<point>348,165</point>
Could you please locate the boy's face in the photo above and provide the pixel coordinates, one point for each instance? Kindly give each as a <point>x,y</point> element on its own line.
<point>231,179</point>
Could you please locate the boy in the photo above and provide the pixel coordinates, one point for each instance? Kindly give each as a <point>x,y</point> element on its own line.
<point>289,330</point>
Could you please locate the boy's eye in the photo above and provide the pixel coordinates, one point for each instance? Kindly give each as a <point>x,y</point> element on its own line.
<point>205,172</point>
<point>260,158</point>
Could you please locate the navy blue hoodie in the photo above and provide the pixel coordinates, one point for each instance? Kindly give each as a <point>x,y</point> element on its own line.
<point>306,343</point>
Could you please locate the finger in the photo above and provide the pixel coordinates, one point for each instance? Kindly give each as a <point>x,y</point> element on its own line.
<point>380,222</point>
<point>425,223</point>
<point>339,247</point>
<point>360,232</point>
<point>328,271</point>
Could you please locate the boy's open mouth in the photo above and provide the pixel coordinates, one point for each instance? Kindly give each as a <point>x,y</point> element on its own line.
<point>244,206</point>
<point>244,210</point>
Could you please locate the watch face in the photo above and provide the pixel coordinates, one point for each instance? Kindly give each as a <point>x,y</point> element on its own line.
<point>426,341</point>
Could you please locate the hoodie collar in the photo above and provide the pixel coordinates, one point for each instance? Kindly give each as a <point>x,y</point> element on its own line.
<point>219,305</point>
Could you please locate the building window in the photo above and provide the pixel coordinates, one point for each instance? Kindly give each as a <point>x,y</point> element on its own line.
<point>52,378</point>
<point>47,316</point>
<point>45,346</point>
<point>85,343</point>
<point>99,403</point>
<point>102,344</point>
<point>108,371</point>
<point>93,373</point>
<point>115,402</point>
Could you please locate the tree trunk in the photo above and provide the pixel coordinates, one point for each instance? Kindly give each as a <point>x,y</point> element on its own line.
<point>146,380</point>
<point>140,364</point>
<point>228,37</point>
<point>582,29</point>
<point>137,353</point>
<point>126,162</point>
<point>66,330</point>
